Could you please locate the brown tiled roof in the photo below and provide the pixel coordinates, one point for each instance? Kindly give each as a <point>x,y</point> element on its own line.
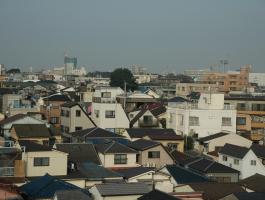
<point>12,119</point>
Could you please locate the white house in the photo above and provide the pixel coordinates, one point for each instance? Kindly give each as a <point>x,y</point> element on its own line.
<point>242,159</point>
<point>74,118</point>
<point>210,115</point>
<point>107,113</point>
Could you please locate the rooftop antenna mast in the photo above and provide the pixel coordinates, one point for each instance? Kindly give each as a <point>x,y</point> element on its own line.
<point>224,63</point>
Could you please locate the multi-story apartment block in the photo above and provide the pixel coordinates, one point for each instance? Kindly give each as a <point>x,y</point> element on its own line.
<point>230,81</point>
<point>250,114</point>
<point>184,89</point>
<point>210,115</point>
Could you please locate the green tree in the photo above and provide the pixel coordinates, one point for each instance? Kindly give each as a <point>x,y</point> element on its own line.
<point>121,75</point>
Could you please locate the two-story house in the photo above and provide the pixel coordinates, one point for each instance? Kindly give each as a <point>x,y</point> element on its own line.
<point>40,159</point>
<point>74,118</point>
<point>242,159</point>
<point>167,137</point>
<point>209,116</point>
<point>151,153</point>
<point>106,112</point>
<point>116,155</point>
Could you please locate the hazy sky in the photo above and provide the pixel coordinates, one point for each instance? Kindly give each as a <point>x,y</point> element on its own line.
<point>163,35</point>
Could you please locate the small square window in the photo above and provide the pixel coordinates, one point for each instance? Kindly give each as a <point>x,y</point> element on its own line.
<point>224,158</point>
<point>154,154</point>
<point>78,113</point>
<point>253,162</point>
<point>236,161</point>
<point>41,161</point>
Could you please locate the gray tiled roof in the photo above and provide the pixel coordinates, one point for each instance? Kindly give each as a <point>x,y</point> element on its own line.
<point>234,151</point>
<point>255,183</point>
<point>211,137</point>
<point>95,132</point>
<point>120,189</point>
<point>259,150</point>
<point>114,147</point>
<point>79,152</point>
<point>134,171</point>
<point>143,144</point>
<point>72,195</point>
<point>33,147</point>
<point>31,130</point>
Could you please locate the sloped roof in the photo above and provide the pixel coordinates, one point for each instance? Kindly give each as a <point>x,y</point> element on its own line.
<point>234,151</point>
<point>31,130</point>
<point>120,189</point>
<point>57,97</point>
<point>72,195</point>
<point>12,119</point>
<point>255,183</point>
<point>95,132</point>
<point>93,171</point>
<point>155,134</point>
<point>143,144</point>
<point>79,152</point>
<point>215,191</point>
<point>210,166</point>
<point>184,176</point>
<point>69,104</point>
<point>46,186</point>
<point>157,195</point>
<point>211,137</point>
<point>259,150</point>
<point>114,147</point>
<point>33,146</point>
<point>178,100</point>
<point>134,171</point>
<point>179,156</point>
<point>247,196</point>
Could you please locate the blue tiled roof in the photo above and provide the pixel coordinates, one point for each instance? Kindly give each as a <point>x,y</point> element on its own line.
<point>46,186</point>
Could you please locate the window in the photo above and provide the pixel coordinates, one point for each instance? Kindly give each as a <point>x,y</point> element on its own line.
<point>241,121</point>
<point>109,114</point>
<point>153,154</point>
<point>67,113</point>
<point>120,159</point>
<point>66,129</point>
<point>226,121</point>
<point>78,113</point>
<point>181,120</point>
<point>224,158</point>
<point>236,161</point>
<point>54,120</point>
<point>96,112</point>
<point>193,121</point>
<point>78,128</point>
<point>253,162</point>
<point>172,146</point>
<point>148,119</point>
<point>106,94</point>
<point>42,161</point>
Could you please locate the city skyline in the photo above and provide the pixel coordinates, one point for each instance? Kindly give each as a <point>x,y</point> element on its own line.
<point>162,36</point>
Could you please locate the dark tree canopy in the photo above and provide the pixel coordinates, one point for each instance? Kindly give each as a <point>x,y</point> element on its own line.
<point>13,71</point>
<point>118,76</point>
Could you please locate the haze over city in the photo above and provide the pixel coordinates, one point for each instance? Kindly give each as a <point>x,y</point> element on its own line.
<point>160,35</point>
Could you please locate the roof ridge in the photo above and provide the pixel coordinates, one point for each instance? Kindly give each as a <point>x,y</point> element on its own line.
<point>113,142</point>
<point>210,165</point>
<point>93,129</point>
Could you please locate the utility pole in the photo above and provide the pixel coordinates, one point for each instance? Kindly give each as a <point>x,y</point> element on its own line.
<point>125,95</point>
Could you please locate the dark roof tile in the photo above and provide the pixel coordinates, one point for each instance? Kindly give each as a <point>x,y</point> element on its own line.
<point>234,151</point>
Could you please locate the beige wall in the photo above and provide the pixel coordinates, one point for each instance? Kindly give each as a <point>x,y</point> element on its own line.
<point>57,164</point>
<point>179,142</point>
<point>159,162</point>
<point>107,160</point>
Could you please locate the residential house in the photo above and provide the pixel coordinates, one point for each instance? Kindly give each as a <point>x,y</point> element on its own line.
<point>95,135</point>
<point>212,191</point>
<point>242,159</point>
<point>9,191</point>
<point>45,187</point>
<point>149,115</point>
<point>128,191</point>
<point>209,116</point>
<point>11,163</point>
<point>148,175</point>
<point>50,106</point>
<point>116,155</point>
<point>40,159</point>
<point>38,133</point>
<point>213,170</point>
<point>6,124</point>
<point>181,176</point>
<point>74,118</point>
<point>212,142</point>
<point>107,113</point>
<point>167,137</point>
<point>151,153</point>
<point>158,195</point>
<point>259,150</point>
<point>71,195</point>
<point>254,183</point>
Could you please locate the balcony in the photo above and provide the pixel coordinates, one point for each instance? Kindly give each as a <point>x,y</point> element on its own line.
<point>7,171</point>
<point>7,144</point>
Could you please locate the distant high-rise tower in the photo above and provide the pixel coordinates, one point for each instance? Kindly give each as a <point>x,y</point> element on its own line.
<point>2,69</point>
<point>70,63</point>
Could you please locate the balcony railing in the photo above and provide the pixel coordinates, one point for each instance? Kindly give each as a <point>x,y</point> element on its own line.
<point>7,171</point>
<point>6,144</point>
